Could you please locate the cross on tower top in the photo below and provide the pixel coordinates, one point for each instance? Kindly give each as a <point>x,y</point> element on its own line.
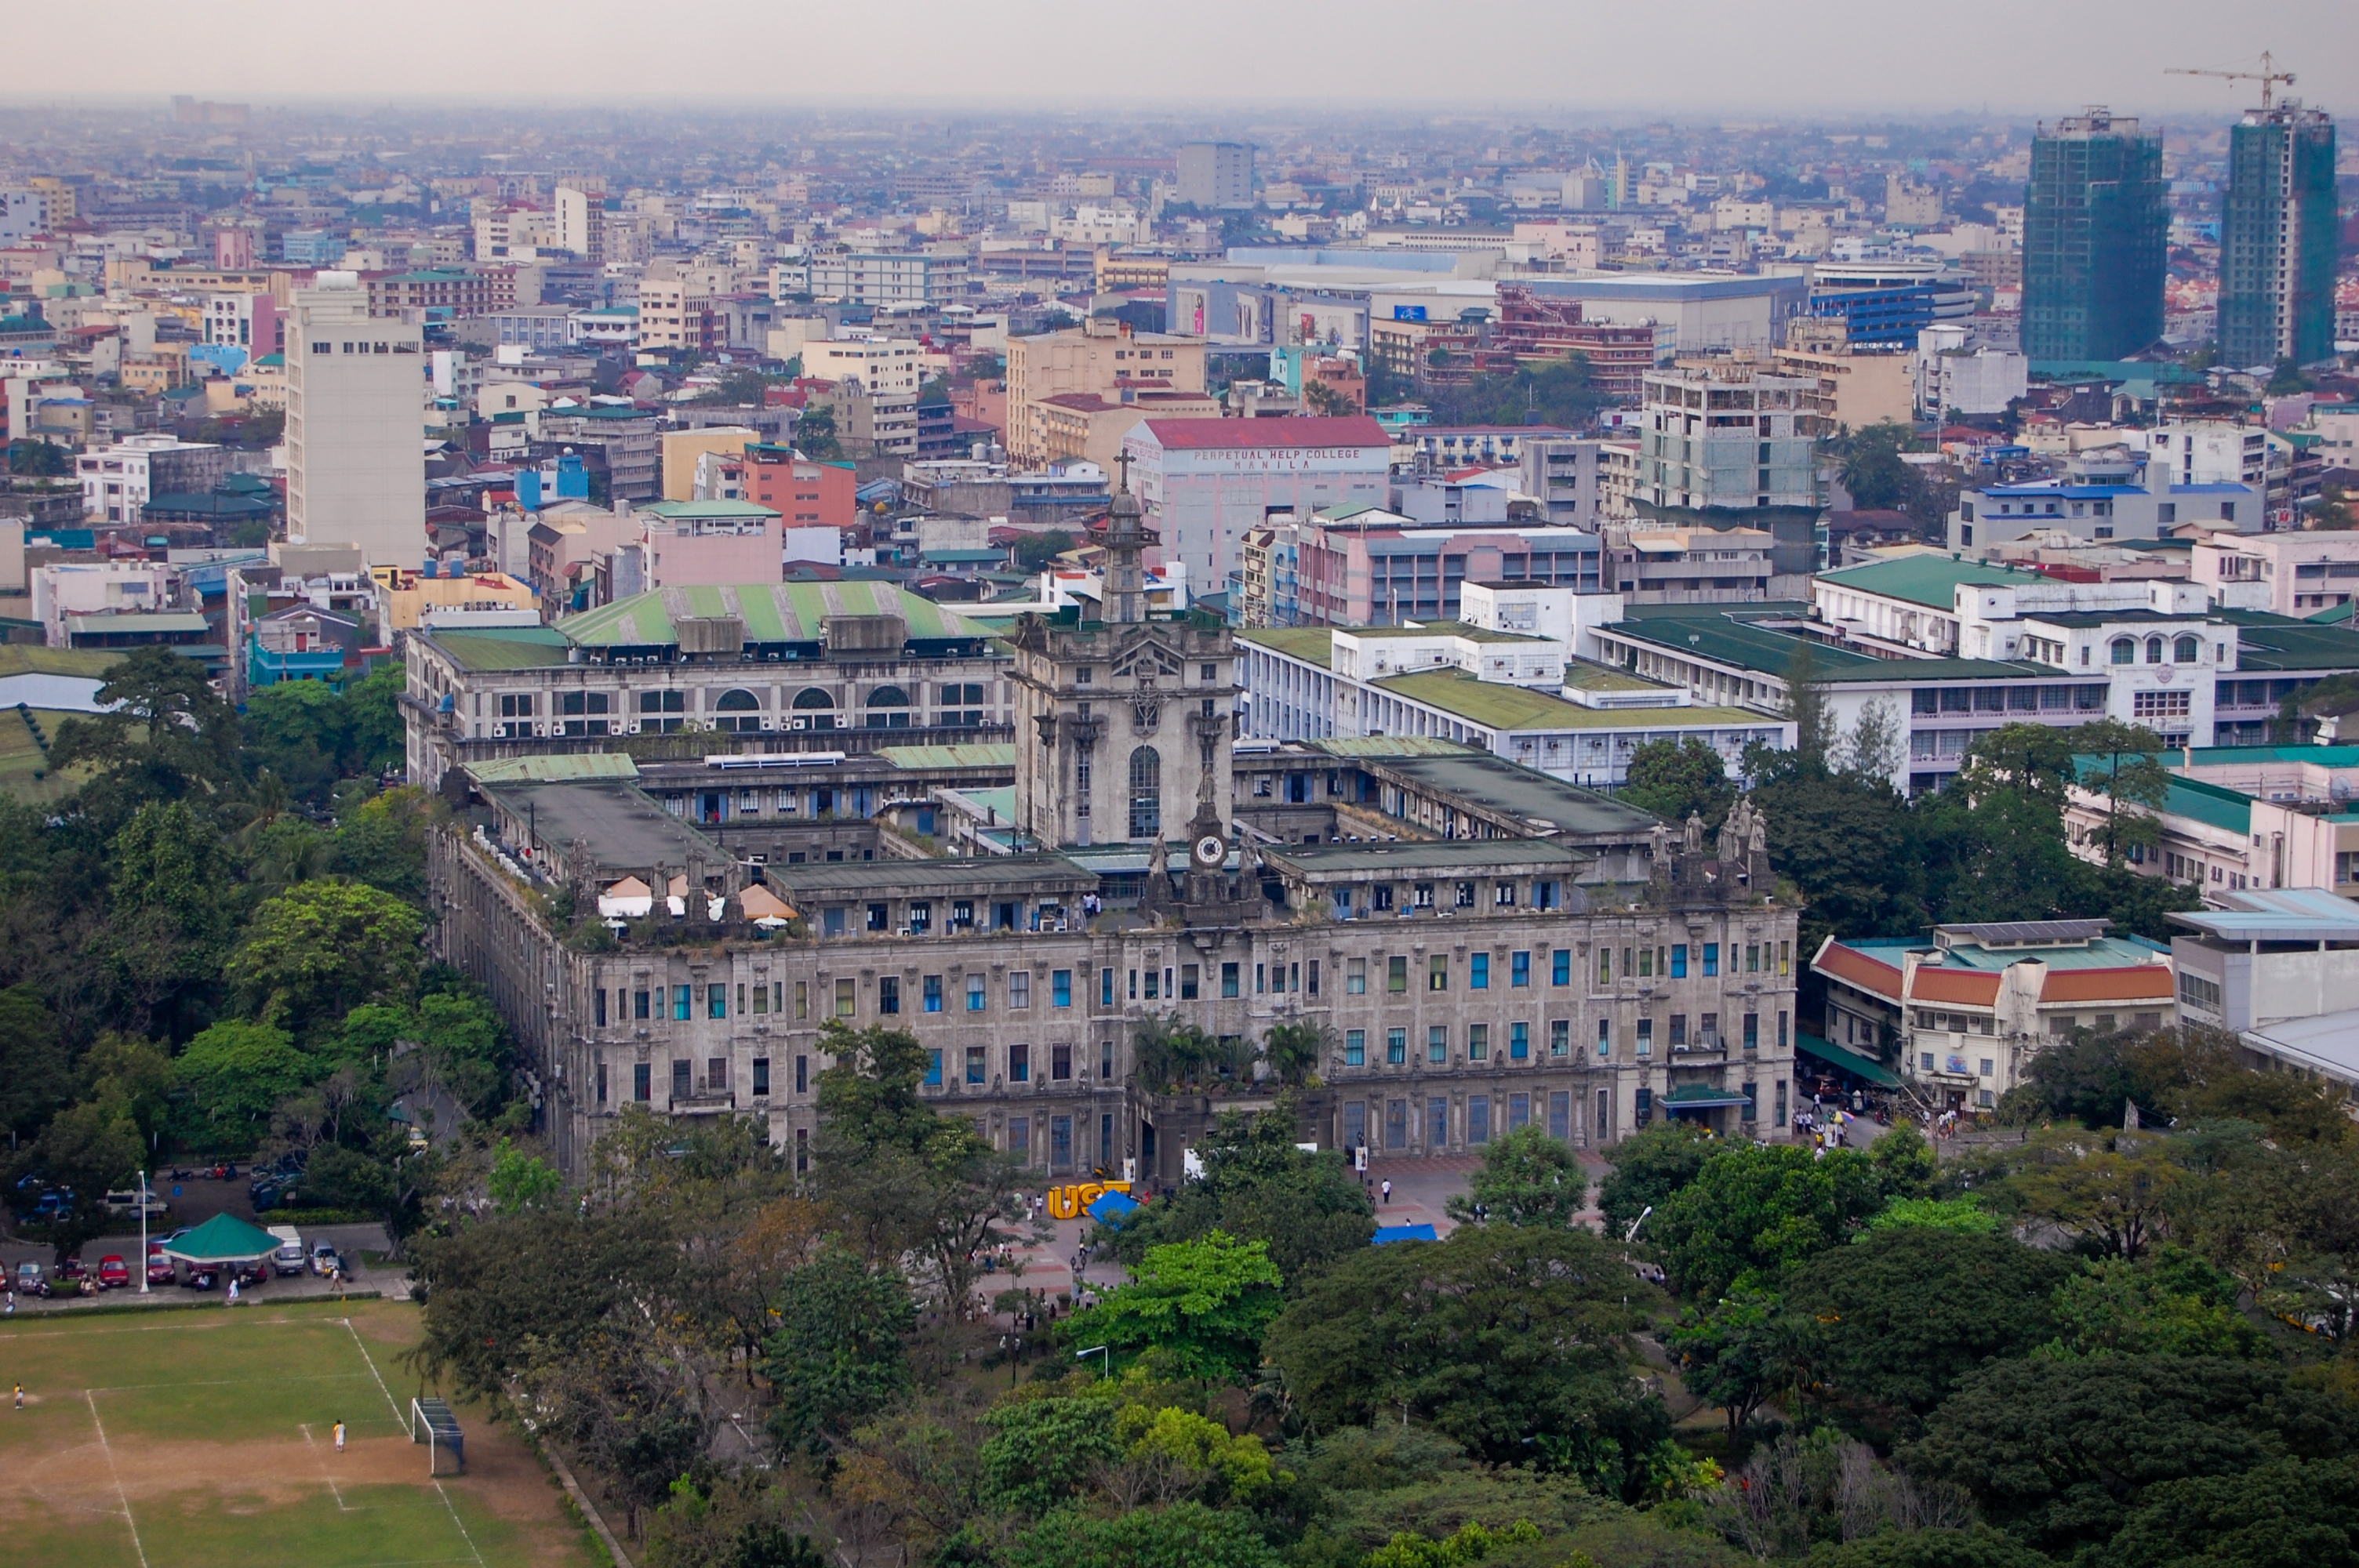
<point>1121,460</point>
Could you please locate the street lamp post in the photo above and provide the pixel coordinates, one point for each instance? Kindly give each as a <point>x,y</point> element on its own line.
<point>1105,1359</point>
<point>143,1232</point>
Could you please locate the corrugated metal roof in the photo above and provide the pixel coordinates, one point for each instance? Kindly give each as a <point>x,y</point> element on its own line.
<point>557,768</point>
<point>965,755</point>
<point>773,612</point>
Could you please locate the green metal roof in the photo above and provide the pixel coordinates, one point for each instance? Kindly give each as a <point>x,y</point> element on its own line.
<point>773,612</point>
<point>2323,756</point>
<point>676,510</point>
<point>490,648</point>
<point>1518,707</point>
<point>2279,642</point>
<point>1311,645</point>
<point>1924,579</point>
<point>2212,804</point>
<point>1849,1061</point>
<point>1766,650</point>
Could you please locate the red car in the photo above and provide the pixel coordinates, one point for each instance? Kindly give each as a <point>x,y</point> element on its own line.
<point>113,1273</point>
<point>159,1268</point>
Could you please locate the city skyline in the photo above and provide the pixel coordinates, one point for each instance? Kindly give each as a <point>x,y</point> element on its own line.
<point>1319,54</point>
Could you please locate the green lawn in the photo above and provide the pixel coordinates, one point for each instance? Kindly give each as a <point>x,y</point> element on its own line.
<point>200,1438</point>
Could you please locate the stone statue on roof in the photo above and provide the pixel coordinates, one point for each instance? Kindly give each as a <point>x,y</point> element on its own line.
<point>1694,842</point>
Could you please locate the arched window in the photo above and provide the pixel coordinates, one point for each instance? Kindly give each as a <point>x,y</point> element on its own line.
<point>738,709</point>
<point>814,709</point>
<point>2154,650</point>
<point>2125,651</point>
<point>2185,651</point>
<point>888,708</point>
<point>1145,792</point>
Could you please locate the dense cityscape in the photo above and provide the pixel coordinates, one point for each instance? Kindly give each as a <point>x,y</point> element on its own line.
<point>1337,837</point>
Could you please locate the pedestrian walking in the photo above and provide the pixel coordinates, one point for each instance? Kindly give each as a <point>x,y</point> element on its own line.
<point>1388,1189</point>
<point>233,1289</point>
<point>339,1437</point>
<point>20,1396</point>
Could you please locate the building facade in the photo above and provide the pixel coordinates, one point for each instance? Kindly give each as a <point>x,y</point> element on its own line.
<point>2278,241</point>
<point>355,456</point>
<point>1479,948</point>
<point>1206,481</point>
<point>2096,221</point>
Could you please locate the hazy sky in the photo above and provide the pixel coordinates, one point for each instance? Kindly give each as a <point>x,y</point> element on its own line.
<point>1691,58</point>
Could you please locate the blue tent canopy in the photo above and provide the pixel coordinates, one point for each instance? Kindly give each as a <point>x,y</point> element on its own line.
<point>1385,1233</point>
<point>1111,1208</point>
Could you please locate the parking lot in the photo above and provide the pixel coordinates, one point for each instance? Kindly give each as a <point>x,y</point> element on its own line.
<point>351,1241</point>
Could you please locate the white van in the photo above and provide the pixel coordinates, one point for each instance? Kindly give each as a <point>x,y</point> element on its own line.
<point>289,1258</point>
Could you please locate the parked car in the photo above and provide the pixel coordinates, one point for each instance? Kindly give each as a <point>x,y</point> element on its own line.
<point>113,1273</point>
<point>125,1201</point>
<point>159,1268</point>
<point>32,1279</point>
<point>325,1259</point>
<point>289,1258</point>
<point>71,1269</point>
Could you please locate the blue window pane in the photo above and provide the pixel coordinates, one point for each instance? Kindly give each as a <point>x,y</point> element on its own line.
<point>1561,967</point>
<point>1520,968</point>
<point>1478,977</point>
<point>1679,960</point>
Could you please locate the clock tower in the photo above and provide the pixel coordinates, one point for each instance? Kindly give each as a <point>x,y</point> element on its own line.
<point>1124,713</point>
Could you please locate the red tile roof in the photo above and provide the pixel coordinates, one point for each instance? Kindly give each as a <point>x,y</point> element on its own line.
<point>1857,968</point>
<point>1295,432</point>
<point>2145,982</point>
<point>1971,988</point>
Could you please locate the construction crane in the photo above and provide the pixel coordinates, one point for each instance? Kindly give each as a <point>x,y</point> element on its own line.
<point>2266,76</point>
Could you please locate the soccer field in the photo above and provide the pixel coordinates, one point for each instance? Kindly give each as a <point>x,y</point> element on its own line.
<point>202,1438</point>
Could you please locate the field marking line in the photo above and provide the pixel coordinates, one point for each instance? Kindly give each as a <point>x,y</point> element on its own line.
<point>462,1527</point>
<point>108,1448</point>
<point>391,1403</point>
<point>341,1507</point>
<point>395,1408</point>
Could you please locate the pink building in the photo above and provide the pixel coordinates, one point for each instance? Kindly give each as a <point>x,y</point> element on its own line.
<point>711,543</point>
<point>1206,481</point>
<point>2291,573</point>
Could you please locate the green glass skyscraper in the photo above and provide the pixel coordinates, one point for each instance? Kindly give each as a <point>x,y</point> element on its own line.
<point>2096,227</point>
<point>2278,239</point>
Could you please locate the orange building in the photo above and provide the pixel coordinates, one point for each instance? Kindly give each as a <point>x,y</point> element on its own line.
<point>804,493</point>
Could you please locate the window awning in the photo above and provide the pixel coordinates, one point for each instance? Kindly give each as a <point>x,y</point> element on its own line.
<point>1866,1068</point>
<point>1700,1097</point>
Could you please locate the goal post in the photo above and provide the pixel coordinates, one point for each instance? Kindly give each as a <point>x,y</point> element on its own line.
<point>432,1423</point>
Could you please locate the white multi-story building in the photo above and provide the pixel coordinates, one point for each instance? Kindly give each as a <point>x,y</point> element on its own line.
<point>889,277</point>
<point>249,321</point>
<point>355,452</point>
<point>118,481</point>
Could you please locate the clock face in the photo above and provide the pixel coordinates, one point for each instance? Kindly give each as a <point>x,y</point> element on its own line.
<point>1210,851</point>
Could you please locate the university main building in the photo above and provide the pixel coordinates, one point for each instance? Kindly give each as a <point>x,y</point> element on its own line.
<point>1039,847</point>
